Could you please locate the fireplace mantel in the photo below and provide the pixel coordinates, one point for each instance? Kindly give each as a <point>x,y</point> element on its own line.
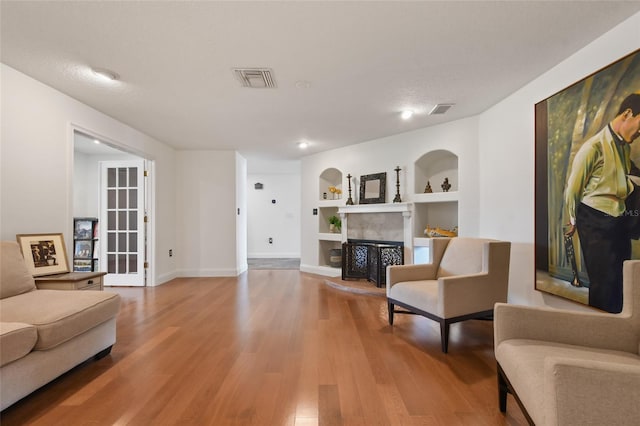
<point>376,208</point>
<point>377,229</point>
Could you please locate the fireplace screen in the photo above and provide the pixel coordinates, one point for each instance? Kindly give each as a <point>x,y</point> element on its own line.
<point>369,259</point>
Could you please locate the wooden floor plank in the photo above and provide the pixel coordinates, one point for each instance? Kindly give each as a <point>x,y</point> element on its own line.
<point>273,347</point>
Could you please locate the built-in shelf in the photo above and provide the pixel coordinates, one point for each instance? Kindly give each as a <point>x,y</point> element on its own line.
<point>326,249</point>
<point>329,178</point>
<point>404,221</point>
<point>436,209</point>
<point>422,242</point>
<point>436,197</point>
<point>331,203</point>
<point>433,167</point>
<point>329,236</point>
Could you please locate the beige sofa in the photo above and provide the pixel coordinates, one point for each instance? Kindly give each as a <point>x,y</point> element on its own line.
<point>44,333</point>
<point>572,368</point>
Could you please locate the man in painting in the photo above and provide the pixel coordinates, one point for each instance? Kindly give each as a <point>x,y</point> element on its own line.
<point>595,196</point>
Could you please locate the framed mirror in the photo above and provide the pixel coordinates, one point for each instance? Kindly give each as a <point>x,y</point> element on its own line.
<point>373,188</point>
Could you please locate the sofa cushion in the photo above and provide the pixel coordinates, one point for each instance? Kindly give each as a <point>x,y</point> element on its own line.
<point>60,315</point>
<point>14,275</point>
<point>16,340</point>
<point>523,361</point>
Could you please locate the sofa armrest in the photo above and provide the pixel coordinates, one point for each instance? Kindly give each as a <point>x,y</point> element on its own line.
<point>591,329</point>
<point>401,273</point>
<point>585,392</point>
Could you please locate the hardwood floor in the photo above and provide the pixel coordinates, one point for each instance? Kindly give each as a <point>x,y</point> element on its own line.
<point>274,348</point>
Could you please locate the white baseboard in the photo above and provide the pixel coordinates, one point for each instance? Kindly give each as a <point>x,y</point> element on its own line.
<point>273,255</point>
<point>164,278</point>
<point>186,273</point>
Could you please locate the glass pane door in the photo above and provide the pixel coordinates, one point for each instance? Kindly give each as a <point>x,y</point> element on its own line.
<point>122,229</point>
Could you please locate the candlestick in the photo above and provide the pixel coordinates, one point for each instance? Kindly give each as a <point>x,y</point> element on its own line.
<point>350,200</point>
<point>397,199</point>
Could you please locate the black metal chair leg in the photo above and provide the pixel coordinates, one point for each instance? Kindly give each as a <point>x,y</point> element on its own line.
<point>444,335</point>
<point>503,389</point>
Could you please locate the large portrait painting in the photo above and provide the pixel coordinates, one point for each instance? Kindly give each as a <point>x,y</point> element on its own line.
<point>587,194</point>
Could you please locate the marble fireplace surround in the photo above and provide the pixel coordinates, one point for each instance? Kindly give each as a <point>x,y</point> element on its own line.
<point>377,222</point>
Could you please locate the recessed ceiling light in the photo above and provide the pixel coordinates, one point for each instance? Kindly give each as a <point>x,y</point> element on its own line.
<point>96,141</point>
<point>406,114</point>
<point>105,74</point>
<point>303,145</point>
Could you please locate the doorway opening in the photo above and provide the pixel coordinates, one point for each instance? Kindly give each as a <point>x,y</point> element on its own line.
<point>112,186</point>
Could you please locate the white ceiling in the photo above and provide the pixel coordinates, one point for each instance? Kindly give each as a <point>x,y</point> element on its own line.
<point>363,63</point>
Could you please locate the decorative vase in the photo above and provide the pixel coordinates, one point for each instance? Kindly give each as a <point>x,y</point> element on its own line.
<point>335,258</point>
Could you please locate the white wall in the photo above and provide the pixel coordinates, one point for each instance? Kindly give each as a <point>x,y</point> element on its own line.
<point>36,157</point>
<point>280,221</point>
<point>86,203</point>
<point>207,209</point>
<point>506,139</point>
<point>86,182</point>
<point>241,214</point>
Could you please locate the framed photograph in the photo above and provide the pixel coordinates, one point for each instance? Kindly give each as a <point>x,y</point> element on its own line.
<point>373,188</point>
<point>83,249</point>
<point>44,254</point>
<point>587,202</point>
<point>83,229</point>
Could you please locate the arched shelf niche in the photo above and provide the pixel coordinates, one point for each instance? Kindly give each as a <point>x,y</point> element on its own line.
<point>433,167</point>
<point>329,178</point>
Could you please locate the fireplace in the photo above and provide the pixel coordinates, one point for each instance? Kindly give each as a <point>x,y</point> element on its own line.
<point>368,259</point>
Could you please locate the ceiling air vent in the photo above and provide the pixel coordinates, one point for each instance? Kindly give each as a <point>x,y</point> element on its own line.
<point>440,109</point>
<point>257,78</point>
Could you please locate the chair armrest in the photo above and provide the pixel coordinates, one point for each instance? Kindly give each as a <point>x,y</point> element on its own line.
<point>467,294</point>
<point>585,392</point>
<point>401,273</point>
<point>591,329</point>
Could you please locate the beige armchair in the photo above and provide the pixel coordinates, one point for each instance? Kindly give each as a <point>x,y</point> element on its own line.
<point>572,368</point>
<point>466,278</point>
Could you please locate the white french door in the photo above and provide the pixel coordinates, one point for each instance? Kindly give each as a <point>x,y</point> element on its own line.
<point>122,214</point>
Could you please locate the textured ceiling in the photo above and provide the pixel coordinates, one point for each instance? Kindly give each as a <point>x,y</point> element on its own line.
<point>344,70</point>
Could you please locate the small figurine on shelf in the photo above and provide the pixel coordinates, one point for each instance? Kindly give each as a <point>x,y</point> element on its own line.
<point>446,185</point>
<point>427,189</point>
